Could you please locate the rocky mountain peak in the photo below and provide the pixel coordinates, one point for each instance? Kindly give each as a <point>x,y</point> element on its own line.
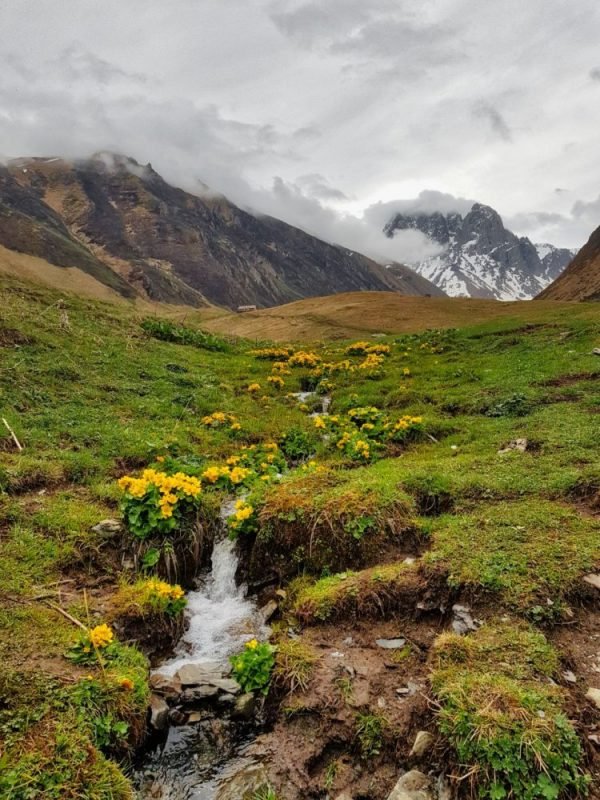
<point>480,257</point>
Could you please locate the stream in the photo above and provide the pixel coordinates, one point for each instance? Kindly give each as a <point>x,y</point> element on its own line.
<point>197,761</point>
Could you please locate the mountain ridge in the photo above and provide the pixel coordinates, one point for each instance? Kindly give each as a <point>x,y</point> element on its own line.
<point>123,223</point>
<point>479,256</point>
<point>581,279</point>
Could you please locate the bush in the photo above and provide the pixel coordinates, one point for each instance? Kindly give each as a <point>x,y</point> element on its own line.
<point>297,445</point>
<point>253,666</point>
<point>170,332</point>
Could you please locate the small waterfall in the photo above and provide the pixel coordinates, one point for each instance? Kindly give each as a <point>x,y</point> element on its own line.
<point>220,617</point>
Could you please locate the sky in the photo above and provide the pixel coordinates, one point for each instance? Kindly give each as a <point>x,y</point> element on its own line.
<point>329,114</point>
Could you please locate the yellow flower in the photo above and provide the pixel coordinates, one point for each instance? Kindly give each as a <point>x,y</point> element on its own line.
<point>251,645</point>
<point>253,388</point>
<point>127,684</point>
<point>101,636</point>
<point>320,422</point>
<point>211,474</point>
<point>406,371</point>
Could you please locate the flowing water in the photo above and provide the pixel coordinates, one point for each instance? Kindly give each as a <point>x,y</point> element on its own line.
<point>197,759</point>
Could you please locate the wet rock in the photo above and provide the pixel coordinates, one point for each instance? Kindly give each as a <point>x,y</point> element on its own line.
<point>200,673</point>
<point>593,580</point>
<point>593,694</point>
<point>177,717</point>
<point>226,699</point>
<point>108,527</point>
<point>414,785</point>
<point>198,693</point>
<point>391,644</point>
<point>517,444</point>
<point>243,783</point>
<point>159,713</point>
<point>462,621</point>
<point>244,706</point>
<point>194,717</point>
<point>227,685</point>
<point>165,685</point>
<point>269,610</point>
<point>423,743</point>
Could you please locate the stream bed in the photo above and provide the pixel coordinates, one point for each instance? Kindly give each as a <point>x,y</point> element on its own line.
<point>198,761</point>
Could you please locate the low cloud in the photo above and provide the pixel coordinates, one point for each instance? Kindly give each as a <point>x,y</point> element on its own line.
<point>487,111</point>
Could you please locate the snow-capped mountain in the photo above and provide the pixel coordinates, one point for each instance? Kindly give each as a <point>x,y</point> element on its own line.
<point>479,257</point>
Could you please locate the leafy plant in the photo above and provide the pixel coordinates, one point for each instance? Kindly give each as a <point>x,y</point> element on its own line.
<point>297,445</point>
<point>369,733</point>
<point>517,405</point>
<point>252,667</point>
<point>171,332</point>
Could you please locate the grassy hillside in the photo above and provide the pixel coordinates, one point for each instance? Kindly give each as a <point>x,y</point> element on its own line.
<point>383,519</point>
<point>353,313</point>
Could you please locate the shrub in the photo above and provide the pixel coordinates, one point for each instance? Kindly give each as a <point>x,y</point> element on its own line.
<point>171,332</point>
<point>253,666</point>
<point>157,502</point>
<point>297,445</point>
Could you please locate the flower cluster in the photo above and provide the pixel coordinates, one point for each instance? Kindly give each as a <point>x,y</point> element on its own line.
<point>163,596</point>
<point>227,476</point>
<point>273,353</point>
<point>156,502</point>
<point>281,368</point>
<point>243,519</point>
<point>405,428</point>
<point>253,666</point>
<point>93,646</point>
<point>372,363</point>
<point>366,348</point>
<point>253,388</point>
<point>304,359</point>
<point>276,381</point>
<point>219,419</point>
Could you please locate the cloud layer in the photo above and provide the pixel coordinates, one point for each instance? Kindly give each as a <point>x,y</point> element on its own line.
<point>326,113</point>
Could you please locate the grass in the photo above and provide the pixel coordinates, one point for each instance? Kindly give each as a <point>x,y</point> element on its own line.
<point>103,397</point>
<point>503,715</point>
<point>294,665</point>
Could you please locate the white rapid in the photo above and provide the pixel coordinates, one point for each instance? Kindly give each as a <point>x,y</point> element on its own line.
<point>220,618</point>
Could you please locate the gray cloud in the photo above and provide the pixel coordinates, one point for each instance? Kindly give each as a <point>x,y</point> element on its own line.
<point>490,113</point>
<point>595,74</point>
<point>322,113</point>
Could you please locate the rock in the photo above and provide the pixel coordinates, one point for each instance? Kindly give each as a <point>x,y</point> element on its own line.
<point>391,644</point>
<point>593,695</point>
<point>596,351</point>
<point>517,444</point>
<point>462,621</point>
<point>244,706</point>
<point>593,580</point>
<point>569,676</point>
<point>159,713</point>
<point>202,672</point>
<point>226,699</point>
<point>108,527</point>
<point>414,785</point>
<point>227,685</point>
<point>269,609</point>
<point>165,685</point>
<point>245,782</point>
<point>343,796</point>
<point>195,716</point>
<point>196,694</point>
<point>423,743</point>
<point>177,716</point>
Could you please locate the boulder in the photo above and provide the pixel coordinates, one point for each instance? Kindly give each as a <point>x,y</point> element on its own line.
<point>462,621</point>
<point>159,713</point>
<point>413,785</point>
<point>196,694</point>
<point>108,527</point>
<point>391,644</point>
<point>593,580</point>
<point>269,609</point>
<point>227,685</point>
<point>245,782</point>
<point>423,743</point>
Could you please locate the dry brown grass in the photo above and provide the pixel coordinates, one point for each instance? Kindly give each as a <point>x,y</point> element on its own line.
<point>343,316</point>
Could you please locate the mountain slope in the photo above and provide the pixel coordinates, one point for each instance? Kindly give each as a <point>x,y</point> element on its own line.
<point>479,257</point>
<point>581,279</point>
<point>169,245</point>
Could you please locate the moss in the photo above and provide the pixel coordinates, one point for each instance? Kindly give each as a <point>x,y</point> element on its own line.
<point>502,716</point>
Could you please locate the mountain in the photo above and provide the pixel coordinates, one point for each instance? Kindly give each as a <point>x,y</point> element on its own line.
<point>479,257</point>
<point>122,223</point>
<point>581,279</point>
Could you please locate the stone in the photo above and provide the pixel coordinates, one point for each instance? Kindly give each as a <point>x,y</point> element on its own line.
<point>244,782</point>
<point>244,706</point>
<point>413,785</point>
<point>593,580</point>
<point>593,695</point>
<point>517,444</point>
<point>165,685</point>
<point>202,672</point>
<point>226,699</point>
<point>569,676</point>
<point>596,351</point>
<point>269,610</point>
<point>108,527</point>
<point>195,716</point>
<point>196,694</point>
<point>177,716</point>
<point>423,743</point>
<point>391,644</point>
<point>159,713</point>
<point>227,685</point>
<point>462,621</point>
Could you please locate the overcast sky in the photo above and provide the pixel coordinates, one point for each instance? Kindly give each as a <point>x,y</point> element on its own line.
<point>330,114</point>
